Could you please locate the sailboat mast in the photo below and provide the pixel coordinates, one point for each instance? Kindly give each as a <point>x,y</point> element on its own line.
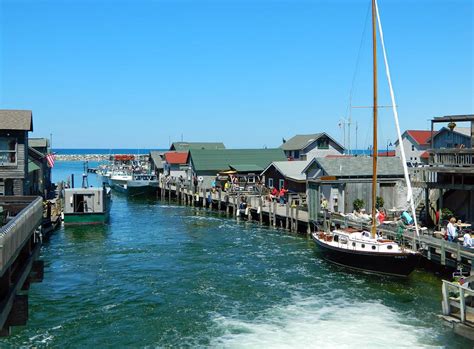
<point>374,148</point>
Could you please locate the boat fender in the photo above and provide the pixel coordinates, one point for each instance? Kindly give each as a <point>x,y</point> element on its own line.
<point>238,212</point>
<point>247,211</point>
<point>259,209</point>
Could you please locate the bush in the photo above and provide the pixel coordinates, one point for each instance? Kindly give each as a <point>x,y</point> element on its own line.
<point>379,202</point>
<point>358,204</point>
<point>446,213</point>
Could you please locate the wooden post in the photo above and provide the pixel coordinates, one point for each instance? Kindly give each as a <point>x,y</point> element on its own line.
<point>274,214</point>
<point>260,216</point>
<point>270,213</point>
<point>443,252</point>
<point>462,304</point>
<point>219,199</point>
<point>296,219</point>
<point>227,205</point>
<point>234,212</point>
<point>446,305</point>
<point>287,214</point>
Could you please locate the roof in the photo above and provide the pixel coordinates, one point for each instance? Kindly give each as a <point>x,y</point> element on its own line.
<point>16,120</point>
<point>221,159</point>
<point>290,169</point>
<point>454,118</point>
<point>185,146</point>
<point>156,157</point>
<point>425,155</point>
<point>359,166</point>
<point>32,166</point>
<point>421,137</point>
<point>38,142</point>
<point>300,142</point>
<point>246,168</point>
<point>176,158</point>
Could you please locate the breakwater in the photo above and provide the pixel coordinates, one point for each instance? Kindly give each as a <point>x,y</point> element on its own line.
<point>94,157</point>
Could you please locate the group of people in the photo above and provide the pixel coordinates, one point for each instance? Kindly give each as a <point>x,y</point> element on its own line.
<point>278,195</point>
<point>453,231</point>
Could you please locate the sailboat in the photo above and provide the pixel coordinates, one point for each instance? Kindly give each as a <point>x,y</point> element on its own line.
<point>364,250</point>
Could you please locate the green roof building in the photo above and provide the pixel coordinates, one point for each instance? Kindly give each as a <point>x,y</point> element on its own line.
<point>186,146</point>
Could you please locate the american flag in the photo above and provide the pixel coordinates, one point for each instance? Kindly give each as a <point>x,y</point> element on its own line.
<point>50,159</point>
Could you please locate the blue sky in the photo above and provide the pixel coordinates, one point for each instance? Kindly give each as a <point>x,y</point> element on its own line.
<point>135,74</point>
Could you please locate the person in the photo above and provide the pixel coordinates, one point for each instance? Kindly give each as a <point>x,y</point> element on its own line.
<point>451,229</point>
<point>227,186</point>
<point>274,193</point>
<point>324,204</point>
<point>282,194</point>
<point>195,182</point>
<point>467,241</point>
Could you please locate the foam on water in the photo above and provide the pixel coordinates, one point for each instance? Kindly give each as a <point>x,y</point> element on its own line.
<point>314,322</point>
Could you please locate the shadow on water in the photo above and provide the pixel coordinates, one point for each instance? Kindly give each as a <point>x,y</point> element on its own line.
<point>87,233</point>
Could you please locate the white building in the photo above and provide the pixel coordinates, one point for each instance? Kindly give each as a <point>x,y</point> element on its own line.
<point>307,147</point>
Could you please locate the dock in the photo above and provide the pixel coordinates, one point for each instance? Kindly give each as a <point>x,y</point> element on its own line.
<point>20,242</point>
<point>294,218</point>
<point>458,308</point>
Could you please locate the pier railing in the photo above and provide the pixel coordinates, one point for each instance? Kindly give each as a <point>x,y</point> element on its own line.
<point>16,232</point>
<point>458,301</point>
<point>452,157</point>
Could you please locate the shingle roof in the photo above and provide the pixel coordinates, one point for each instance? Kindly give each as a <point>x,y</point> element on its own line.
<point>176,158</point>
<point>221,159</point>
<point>300,142</point>
<point>156,157</point>
<point>358,166</point>
<point>421,137</point>
<point>246,168</point>
<point>290,169</point>
<point>16,120</point>
<point>38,142</point>
<point>185,146</point>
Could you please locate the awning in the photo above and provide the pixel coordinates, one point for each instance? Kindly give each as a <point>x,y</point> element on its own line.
<point>32,166</point>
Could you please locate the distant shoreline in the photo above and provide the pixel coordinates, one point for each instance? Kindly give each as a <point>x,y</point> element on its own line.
<point>90,157</point>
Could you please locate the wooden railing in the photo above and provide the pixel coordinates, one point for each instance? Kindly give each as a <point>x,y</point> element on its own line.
<point>15,233</point>
<point>452,157</point>
<point>454,301</point>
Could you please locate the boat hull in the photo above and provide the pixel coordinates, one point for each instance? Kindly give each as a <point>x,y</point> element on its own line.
<point>86,218</point>
<point>395,264</point>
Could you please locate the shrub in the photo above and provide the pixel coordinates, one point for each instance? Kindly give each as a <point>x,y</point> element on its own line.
<point>379,202</point>
<point>358,204</point>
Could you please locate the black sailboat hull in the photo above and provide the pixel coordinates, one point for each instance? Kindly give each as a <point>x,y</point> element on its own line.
<point>396,264</point>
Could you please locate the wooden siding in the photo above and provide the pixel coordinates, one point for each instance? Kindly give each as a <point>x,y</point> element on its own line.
<point>293,186</point>
<point>448,139</point>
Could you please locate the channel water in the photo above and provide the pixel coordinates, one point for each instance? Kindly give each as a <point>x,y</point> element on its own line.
<point>164,275</point>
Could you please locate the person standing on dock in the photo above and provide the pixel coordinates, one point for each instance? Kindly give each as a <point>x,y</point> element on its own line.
<point>452,233</point>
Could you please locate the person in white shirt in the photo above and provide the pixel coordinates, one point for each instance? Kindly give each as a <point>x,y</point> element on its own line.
<point>467,240</point>
<point>452,233</point>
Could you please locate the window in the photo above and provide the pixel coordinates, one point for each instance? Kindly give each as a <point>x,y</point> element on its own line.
<point>389,247</point>
<point>363,245</point>
<point>8,148</point>
<point>412,147</point>
<point>336,238</point>
<point>296,154</point>
<point>373,247</point>
<point>281,183</point>
<point>270,182</point>
<point>323,143</point>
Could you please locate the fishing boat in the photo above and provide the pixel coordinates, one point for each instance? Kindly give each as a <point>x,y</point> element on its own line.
<point>136,184</point>
<point>367,250</point>
<point>86,205</point>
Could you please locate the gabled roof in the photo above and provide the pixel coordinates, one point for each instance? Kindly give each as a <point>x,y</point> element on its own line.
<point>38,142</point>
<point>157,158</point>
<point>16,120</point>
<point>464,131</point>
<point>358,166</point>
<point>176,158</point>
<point>221,159</point>
<point>185,146</point>
<point>290,169</point>
<point>300,142</point>
<point>420,137</point>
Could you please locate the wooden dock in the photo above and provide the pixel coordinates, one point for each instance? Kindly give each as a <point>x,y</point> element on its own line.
<point>458,308</point>
<point>295,218</point>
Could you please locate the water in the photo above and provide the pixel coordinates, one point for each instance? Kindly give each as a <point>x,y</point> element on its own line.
<point>61,151</point>
<point>173,276</point>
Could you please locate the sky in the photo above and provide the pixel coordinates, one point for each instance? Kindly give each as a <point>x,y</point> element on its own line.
<point>142,73</point>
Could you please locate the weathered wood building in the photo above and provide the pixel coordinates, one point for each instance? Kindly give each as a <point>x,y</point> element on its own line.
<point>14,128</point>
<point>342,180</point>
<point>448,179</point>
<point>306,147</point>
<point>286,174</point>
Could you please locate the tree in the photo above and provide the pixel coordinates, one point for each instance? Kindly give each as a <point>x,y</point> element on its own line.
<point>379,202</point>
<point>358,204</point>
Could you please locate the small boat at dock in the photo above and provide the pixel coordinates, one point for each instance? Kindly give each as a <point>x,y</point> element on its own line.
<point>87,205</point>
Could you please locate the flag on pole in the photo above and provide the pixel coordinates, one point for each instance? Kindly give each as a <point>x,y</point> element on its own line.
<point>50,159</point>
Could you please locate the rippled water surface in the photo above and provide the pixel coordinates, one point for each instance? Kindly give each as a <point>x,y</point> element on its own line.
<point>165,275</point>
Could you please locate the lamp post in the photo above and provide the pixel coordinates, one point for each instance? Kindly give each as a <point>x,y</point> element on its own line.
<point>389,144</point>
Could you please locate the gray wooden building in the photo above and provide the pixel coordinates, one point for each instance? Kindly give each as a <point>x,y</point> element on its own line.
<point>14,128</point>
<point>306,147</point>
<point>342,180</point>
